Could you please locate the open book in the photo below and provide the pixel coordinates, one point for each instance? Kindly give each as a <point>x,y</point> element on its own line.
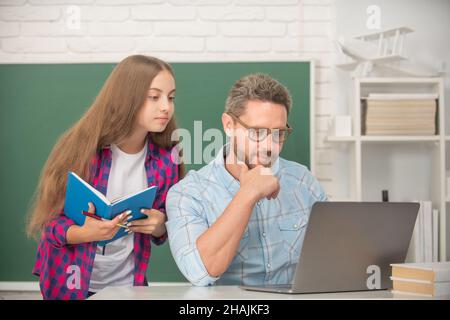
<point>79,193</point>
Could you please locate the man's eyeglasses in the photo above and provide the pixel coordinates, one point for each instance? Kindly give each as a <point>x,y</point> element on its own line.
<point>259,134</point>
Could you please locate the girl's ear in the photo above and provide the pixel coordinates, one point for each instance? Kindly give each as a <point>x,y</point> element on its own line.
<point>228,124</point>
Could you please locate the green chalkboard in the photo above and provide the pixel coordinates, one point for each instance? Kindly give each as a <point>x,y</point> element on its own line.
<point>39,102</point>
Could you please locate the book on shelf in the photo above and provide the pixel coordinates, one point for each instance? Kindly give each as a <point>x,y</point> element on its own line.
<point>399,117</point>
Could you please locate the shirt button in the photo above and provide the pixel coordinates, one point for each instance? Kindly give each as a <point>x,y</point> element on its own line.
<point>269,265</point>
<point>263,234</point>
<point>295,226</point>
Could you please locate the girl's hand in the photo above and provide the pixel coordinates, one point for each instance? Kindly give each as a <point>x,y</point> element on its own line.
<point>154,224</point>
<point>97,230</point>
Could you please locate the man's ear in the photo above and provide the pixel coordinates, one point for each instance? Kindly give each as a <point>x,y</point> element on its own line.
<point>228,124</point>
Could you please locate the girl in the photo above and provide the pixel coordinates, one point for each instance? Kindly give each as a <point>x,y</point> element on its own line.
<point>121,145</point>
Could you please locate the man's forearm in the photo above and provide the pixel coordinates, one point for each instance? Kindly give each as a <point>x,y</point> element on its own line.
<point>217,245</point>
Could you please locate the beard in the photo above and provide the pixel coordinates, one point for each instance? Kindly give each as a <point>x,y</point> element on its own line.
<point>246,159</point>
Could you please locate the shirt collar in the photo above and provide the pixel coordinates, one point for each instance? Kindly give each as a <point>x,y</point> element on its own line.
<point>151,149</point>
<point>222,174</point>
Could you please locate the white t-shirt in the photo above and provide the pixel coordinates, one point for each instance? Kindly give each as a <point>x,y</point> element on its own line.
<point>114,263</point>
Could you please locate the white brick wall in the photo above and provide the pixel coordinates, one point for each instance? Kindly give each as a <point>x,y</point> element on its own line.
<point>179,30</point>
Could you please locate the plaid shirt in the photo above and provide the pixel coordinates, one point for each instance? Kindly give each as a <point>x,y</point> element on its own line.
<point>58,263</point>
<point>271,244</point>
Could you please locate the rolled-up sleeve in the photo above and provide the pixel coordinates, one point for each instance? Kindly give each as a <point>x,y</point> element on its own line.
<point>56,230</point>
<point>184,225</point>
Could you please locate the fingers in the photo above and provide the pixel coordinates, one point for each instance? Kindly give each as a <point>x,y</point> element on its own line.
<point>116,220</point>
<point>142,222</point>
<point>274,194</point>
<point>244,169</point>
<point>143,229</point>
<point>107,229</point>
<point>149,212</point>
<point>91,207</point>
<point>121,218</point>
<point>126,215</point>
<point>148,225</point>
<point>277,191</point>
<point>154,216</point>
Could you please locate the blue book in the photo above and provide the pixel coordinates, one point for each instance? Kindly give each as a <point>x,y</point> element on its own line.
<point>79,193</point>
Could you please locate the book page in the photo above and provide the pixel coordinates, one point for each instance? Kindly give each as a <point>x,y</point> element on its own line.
<point>98,193</point>
<point>125,197</point>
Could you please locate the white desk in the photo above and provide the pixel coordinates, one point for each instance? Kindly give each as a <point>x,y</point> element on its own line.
<point>188,292</point>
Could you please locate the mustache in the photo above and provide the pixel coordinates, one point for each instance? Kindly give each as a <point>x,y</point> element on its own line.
<point>267,161</point>
<point>264,153</point>
<point>251,158</point>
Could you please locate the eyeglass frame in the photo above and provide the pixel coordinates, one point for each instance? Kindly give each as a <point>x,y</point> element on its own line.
<point>288,128</point>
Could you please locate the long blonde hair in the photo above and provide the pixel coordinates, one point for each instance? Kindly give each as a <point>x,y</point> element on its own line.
<point>109,120</point>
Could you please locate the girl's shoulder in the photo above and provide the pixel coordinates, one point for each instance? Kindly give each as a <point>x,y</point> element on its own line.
<point>168,155</point>
<point>165,161</point>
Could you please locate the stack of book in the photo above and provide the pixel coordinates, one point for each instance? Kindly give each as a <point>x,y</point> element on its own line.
<point>400,114</point>
<point>429,279</point>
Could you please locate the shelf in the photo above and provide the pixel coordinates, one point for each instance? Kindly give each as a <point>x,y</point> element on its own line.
<point>341,139</point>
<point>401,97</point>
<point>385,139</point>
<point>401,80</point>
<point>447,138</point>
<point>400,138</point>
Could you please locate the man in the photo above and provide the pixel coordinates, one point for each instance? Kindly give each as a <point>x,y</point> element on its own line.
<point>241,219</point>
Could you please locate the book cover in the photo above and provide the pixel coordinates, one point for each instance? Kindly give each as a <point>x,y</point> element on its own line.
<point>427,271</point>
<point>434,289</point>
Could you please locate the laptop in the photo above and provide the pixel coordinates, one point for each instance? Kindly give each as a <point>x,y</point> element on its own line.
<point>349,246</point>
